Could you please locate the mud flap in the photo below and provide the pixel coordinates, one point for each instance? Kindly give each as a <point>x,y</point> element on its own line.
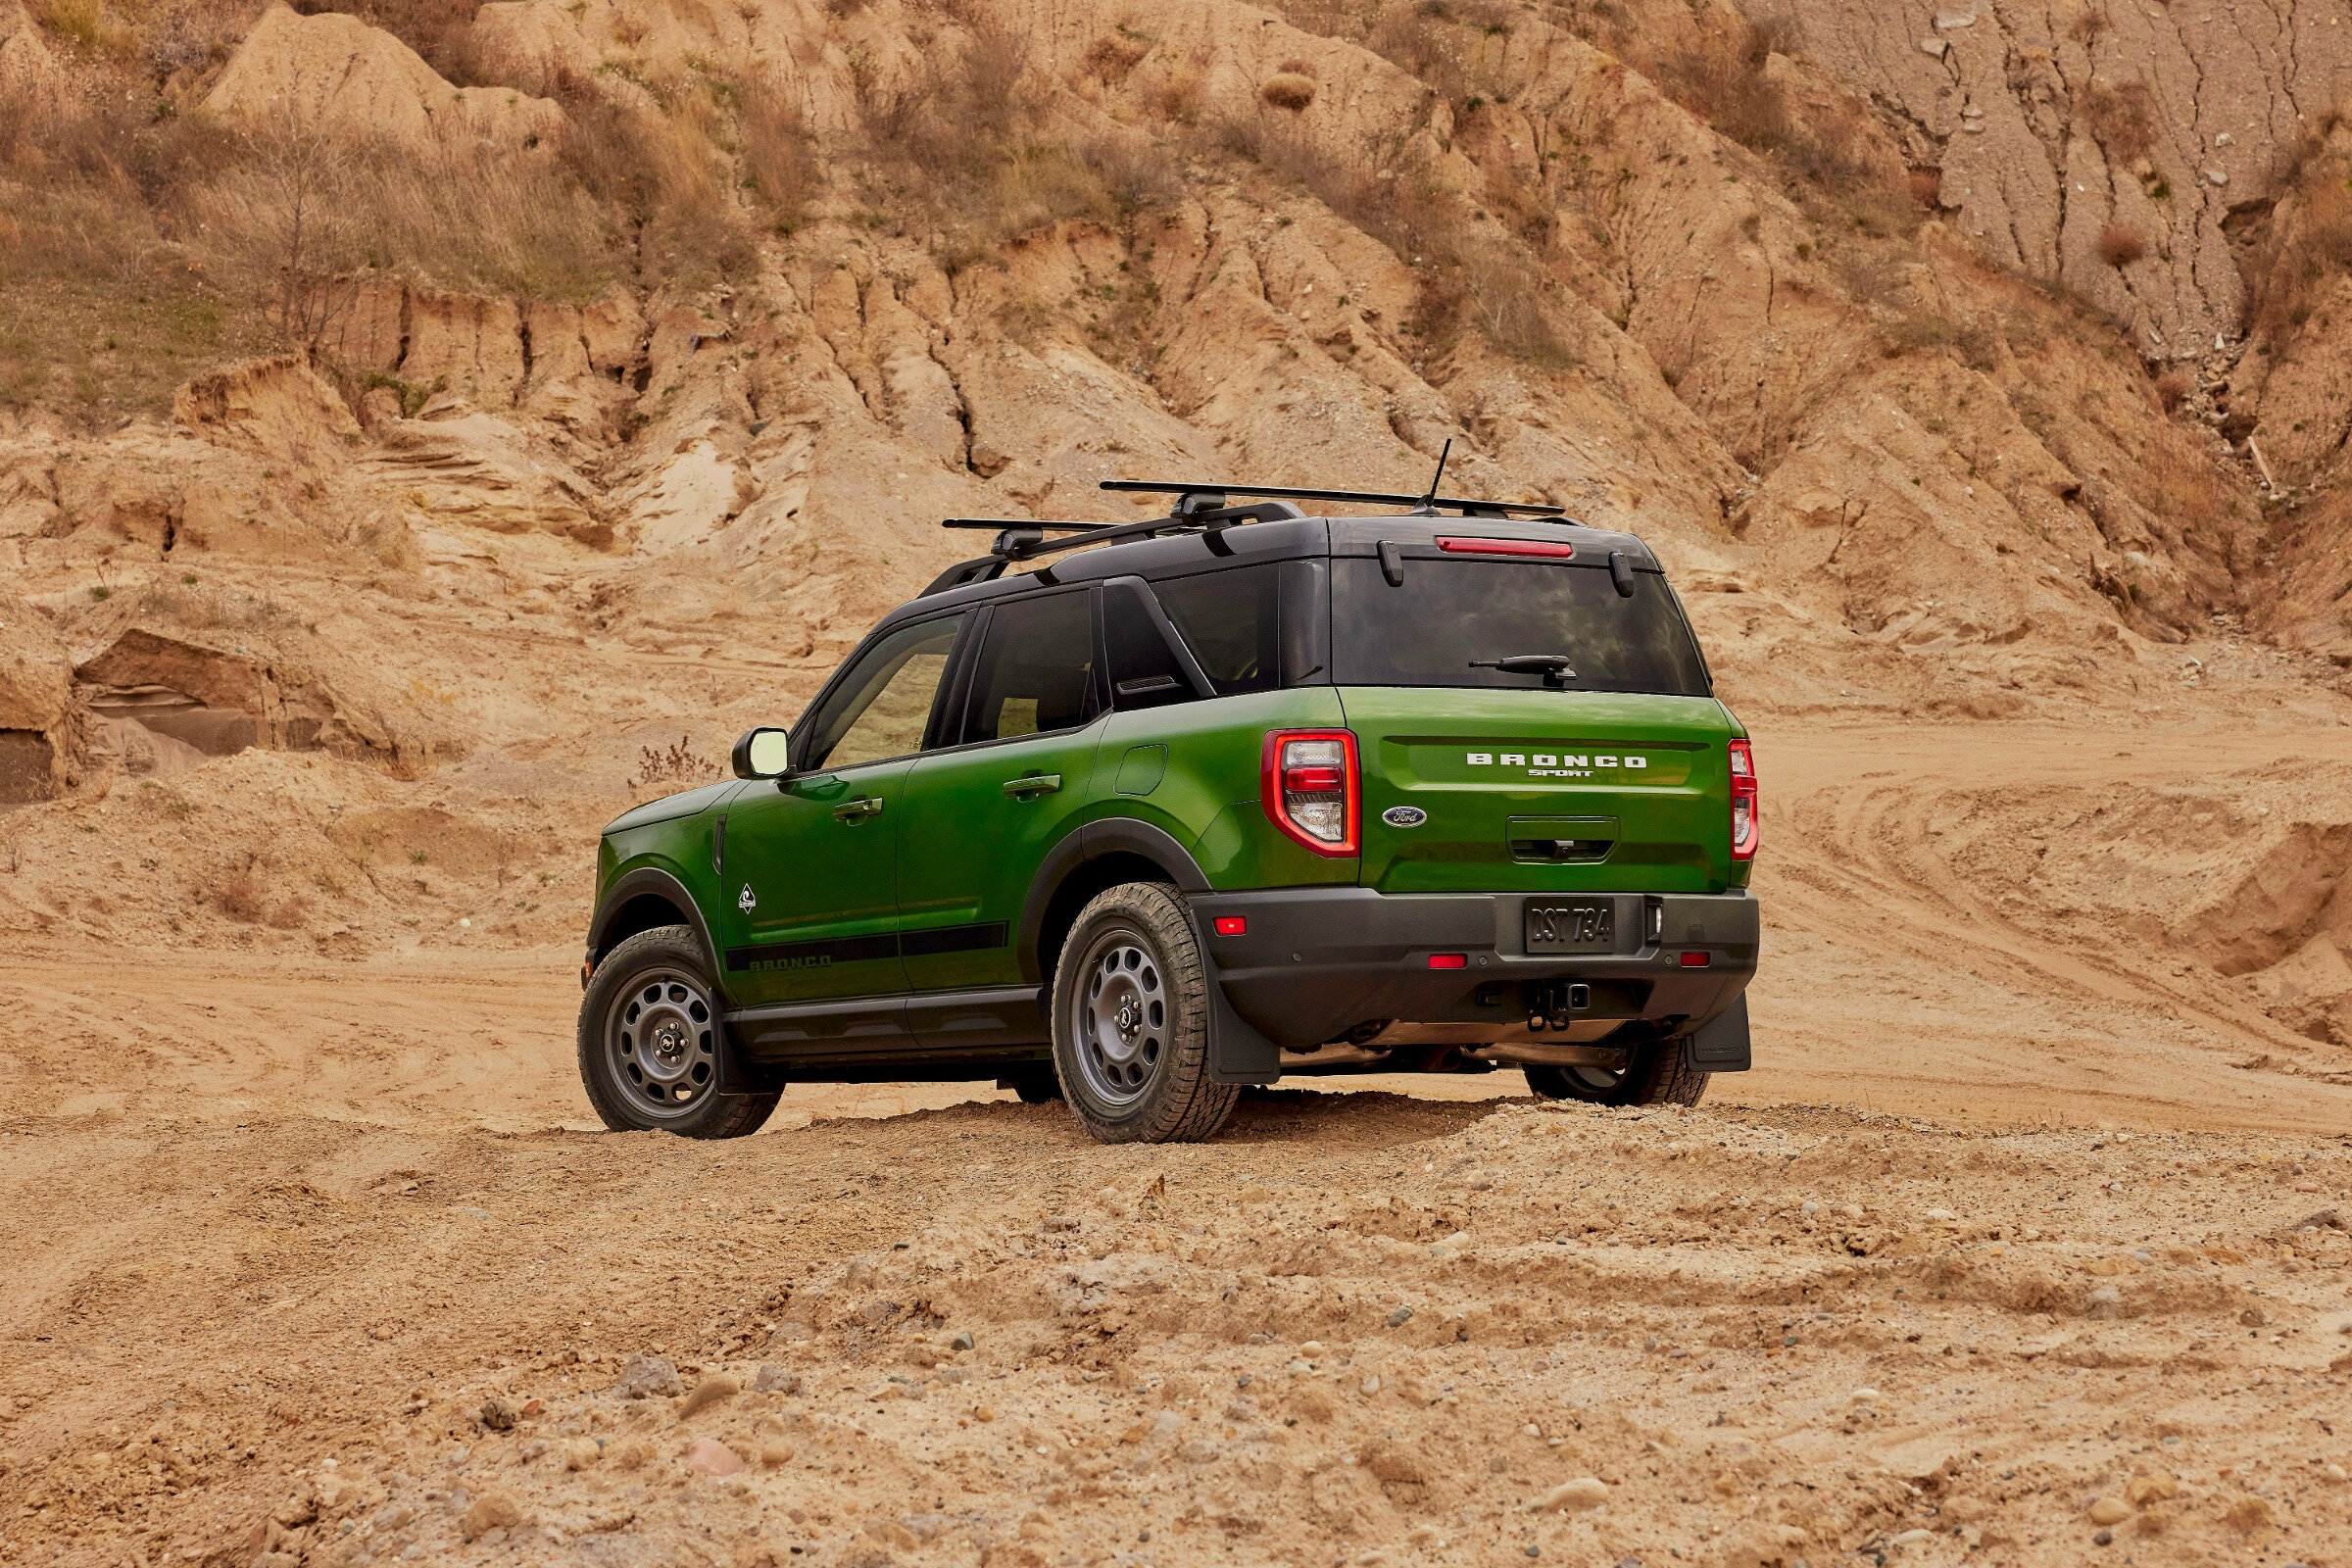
<point>738,1075</point>
<point>1720,1046</point>
<point>1237,1053</point>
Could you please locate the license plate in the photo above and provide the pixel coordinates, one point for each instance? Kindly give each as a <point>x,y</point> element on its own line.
<point>1589,926</point>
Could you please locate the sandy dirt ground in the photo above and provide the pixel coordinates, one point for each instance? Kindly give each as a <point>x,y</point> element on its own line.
<point>2025,1243</point>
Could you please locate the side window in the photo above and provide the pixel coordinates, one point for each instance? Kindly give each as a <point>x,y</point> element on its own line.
<point>1232,620</point>
<point>1036,671</point>
<point>884,706</point>
<point>1144,671</point>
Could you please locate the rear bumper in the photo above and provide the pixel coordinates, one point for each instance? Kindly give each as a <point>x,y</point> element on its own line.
<point>1317,962</point>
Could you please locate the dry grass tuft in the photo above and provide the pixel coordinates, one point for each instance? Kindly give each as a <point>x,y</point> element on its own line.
<point>2121,244</point>
<point>1288,89</point>
<point>2172,388</point>
<point>2122,119</point>
<point>956,159</point>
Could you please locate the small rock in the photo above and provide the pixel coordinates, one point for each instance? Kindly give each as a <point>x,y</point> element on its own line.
<point>2148,1488</point>
<point>1572,1497</point>
<point>496,1414</point>
<point>1948,21</point>
<point>2105,1301</point>
<point>1911,1538</point>
<point>646,1376</point>
<point>1311,1348</point>
<point>492,1510</point>
<point>1864,1396</point>
<point>712,1457</point>
<point>1932,46</point>
<point>713,1389</point>
<point>2110,1511</point>
<point>2222,140</point>
<point>2251,1317</point>
<point>960,1340</point>
<point>581,1453</point>
<point>2102,1538</point>
<point>984,1412</point>
<point>773,1379</point>
<point>1943,1216</point>
<point>1400,1317</point>
<point>772,1455</point>
<point>2217,176</point>
<point>1061,1222</point>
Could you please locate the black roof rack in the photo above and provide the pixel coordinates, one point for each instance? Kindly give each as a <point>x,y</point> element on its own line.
<point>1201,506</point>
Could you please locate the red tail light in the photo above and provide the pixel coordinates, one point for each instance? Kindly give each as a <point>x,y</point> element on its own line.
<point>1744,802</point>
<point>1309,785</point>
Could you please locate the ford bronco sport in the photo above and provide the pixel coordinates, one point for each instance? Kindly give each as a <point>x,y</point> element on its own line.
<point>1232,795</point>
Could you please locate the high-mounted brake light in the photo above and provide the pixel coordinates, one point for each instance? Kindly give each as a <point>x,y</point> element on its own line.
<point>1744,802</point>
<point>1551,549</point>
<point>1309,785</point>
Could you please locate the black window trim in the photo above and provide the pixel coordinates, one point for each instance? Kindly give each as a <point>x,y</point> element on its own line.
<point>968,662</point>
<point>1203,687</point>
<point>950,679</point>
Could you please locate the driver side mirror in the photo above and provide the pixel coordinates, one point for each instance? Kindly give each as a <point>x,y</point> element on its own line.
<point>764,752</point>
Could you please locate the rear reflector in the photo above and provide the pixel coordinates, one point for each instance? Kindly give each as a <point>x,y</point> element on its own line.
<point>1233,925</point>
<point>1548,548</point>
<point>1695,961</point>
<point>1449,961</point>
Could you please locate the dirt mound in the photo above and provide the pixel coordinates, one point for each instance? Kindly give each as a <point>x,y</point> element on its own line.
<point>333,72</point>
<point>279,408</point>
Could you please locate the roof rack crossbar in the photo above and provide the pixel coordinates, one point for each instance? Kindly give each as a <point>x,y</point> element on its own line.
<point>1491,509</point>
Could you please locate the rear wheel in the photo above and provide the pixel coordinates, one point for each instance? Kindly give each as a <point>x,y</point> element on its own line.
<point>1655,1076</point>
<point>650,1037</point>
<point>1131,1021</point>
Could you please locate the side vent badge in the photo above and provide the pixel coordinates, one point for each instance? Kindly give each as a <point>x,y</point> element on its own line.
<point>1405,816</point>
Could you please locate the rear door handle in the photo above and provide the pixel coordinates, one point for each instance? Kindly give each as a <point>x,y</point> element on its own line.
<point>1033,784</point>
<point>852,811</point>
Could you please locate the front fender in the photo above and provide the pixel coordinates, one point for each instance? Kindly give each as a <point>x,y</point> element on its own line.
<point>608,927</point>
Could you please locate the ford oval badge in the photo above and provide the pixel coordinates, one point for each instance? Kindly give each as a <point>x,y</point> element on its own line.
<point>1405,816</point>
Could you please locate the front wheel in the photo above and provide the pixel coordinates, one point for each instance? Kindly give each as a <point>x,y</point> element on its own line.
<point>650,1037</point>
<point>1654,1076</point>
<point>1131,1021</point>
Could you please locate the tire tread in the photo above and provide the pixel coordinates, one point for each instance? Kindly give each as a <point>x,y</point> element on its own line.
<point>1186,1105</point>
<point>723,1115</point>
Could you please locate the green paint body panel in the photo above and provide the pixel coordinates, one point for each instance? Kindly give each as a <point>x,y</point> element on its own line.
<point>1477,761</point>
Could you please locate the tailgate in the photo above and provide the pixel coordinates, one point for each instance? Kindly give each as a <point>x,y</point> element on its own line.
<point>1542,791</point>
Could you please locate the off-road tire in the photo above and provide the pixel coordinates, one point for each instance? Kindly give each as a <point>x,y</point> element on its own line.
<point>1131,1021</point>
<point>1656,1076</point>
<point>618,1016</point>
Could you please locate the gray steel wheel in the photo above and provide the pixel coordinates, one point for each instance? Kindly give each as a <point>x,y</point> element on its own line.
<point>660,1041</point>
<point>1123,1018</point>
<point>1131,1020</point>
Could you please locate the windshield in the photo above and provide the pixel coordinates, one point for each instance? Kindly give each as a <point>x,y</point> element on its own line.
<point>1451,612</point>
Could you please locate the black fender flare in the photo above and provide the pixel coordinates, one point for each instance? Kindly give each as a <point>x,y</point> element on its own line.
<point>1091,840</point>
<point>653,880</point>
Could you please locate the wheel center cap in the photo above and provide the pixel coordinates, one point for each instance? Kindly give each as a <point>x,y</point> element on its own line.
<point>669,1040</point>
<point>1130,1018</point>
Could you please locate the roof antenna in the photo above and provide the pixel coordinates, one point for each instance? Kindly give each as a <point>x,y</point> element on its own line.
<point>1429,502</point>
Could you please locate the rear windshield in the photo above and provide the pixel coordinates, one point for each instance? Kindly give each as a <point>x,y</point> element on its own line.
<point>1450,612</point>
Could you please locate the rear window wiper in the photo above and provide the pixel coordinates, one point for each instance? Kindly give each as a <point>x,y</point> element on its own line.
<point>1553,668</point>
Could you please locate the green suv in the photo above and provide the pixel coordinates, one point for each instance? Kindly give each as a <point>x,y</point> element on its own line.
<point>1229,796</point>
